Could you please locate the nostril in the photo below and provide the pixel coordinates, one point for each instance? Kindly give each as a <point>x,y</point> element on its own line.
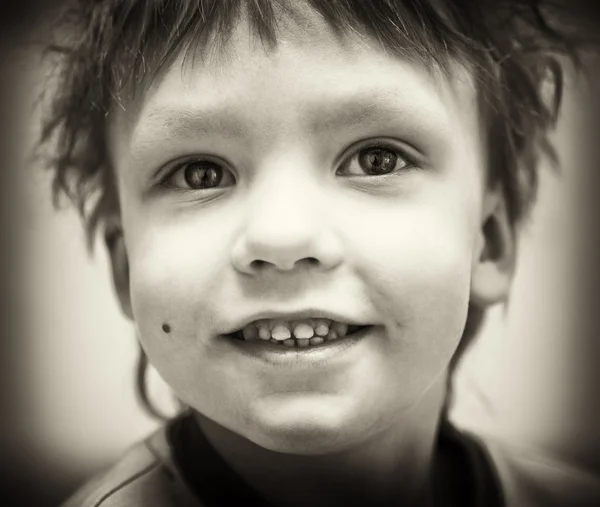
<point>258,264</point>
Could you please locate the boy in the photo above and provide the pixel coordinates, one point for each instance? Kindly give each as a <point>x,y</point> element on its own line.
<point>308,207</point>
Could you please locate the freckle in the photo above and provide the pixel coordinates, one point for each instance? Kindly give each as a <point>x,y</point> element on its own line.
<point>166,328</point>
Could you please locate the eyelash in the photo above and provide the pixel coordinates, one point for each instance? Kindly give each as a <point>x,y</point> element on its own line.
<point>346,161</point>
<point>411,162</point>
<point>181,166</point>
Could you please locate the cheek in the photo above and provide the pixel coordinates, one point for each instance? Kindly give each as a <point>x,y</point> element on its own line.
<point>417,264</point>
<point>175,271</point>
<point>178,259</point>
<point>171,274</point>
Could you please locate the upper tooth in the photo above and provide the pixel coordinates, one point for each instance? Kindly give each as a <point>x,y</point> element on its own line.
<point>322,327</point>
<point>250,332</point>
<point>340,329</point>
<point>280,333</point>
<point>303,330</point>
<point>263,332</point>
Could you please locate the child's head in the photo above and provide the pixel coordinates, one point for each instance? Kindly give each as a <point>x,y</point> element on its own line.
<point>366,162</point>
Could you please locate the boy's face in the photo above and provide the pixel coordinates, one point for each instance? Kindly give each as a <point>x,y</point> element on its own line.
<point>328,178</point>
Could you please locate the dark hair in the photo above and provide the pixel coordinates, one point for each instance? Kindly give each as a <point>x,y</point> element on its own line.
<point>108,48</point>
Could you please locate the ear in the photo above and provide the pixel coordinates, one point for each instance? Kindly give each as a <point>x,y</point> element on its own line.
<point>115,244</point>
<point>494,262</point>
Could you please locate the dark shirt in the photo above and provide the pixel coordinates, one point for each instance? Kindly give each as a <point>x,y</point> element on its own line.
<point>463,473</point>
<point>177,467</point>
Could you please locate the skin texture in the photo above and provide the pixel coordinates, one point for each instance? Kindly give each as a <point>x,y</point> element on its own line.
<point>405,251</point>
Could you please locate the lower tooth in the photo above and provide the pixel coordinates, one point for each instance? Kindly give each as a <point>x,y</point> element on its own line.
<point>316,340</point>
<point>303,342</point>
<point>332,335</point>
<point>273,340</point>
<point>289,343</point>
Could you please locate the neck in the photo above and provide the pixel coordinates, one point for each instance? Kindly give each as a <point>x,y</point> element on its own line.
<point>393,467</point>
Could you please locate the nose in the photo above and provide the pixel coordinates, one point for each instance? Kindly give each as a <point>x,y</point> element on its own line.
<point>284,231</point>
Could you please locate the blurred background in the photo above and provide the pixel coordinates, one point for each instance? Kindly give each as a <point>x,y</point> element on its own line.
<point>67,354</point>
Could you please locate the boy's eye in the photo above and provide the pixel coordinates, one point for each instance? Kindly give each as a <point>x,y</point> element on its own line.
<point>374,161</point>
<point>199,175</point>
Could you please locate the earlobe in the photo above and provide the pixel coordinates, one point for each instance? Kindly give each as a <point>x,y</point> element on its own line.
<point>493,267</point>
<point>115,245</point>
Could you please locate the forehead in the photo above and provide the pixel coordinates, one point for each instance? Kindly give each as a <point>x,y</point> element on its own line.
<point>312,77</point>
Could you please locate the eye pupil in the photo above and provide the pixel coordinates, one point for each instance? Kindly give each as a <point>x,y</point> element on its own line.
<point>377,160</point>
<point>203,175</point>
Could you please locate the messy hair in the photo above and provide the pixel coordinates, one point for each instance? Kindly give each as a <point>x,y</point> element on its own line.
<point>108,49</point>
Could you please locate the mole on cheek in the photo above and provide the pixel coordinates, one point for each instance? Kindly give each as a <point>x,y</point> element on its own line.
<point>166,328</point>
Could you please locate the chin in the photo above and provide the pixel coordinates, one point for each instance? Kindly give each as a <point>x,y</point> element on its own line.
<point>305,424</point>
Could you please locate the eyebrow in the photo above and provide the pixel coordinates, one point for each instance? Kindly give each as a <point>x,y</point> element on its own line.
<point>323,116</point>
<point>178,121</point>
<point>364,111</point>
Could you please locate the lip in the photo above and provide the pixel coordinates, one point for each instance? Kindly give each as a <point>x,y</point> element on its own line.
<point>308,357</point>
<point>309,313</point>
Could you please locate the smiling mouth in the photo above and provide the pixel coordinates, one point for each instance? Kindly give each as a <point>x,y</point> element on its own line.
<point>305,333</point>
